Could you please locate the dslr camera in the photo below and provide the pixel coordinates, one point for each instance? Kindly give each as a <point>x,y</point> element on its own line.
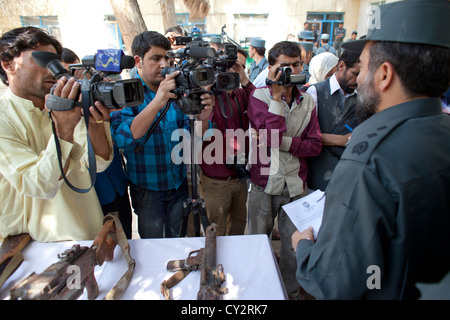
<point>113,94</point>
<point>199,67</point>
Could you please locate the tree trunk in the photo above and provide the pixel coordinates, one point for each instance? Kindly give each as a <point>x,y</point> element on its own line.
<point>198,9</point>
<point>130,20</point>
<point>168,13</point>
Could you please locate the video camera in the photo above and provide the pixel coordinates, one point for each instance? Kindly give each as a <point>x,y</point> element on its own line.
<point>113,94</point>
<point>287,78</point>
<point>199,67</point>
<point>223,61</point>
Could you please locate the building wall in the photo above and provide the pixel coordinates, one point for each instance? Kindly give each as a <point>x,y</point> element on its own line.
<point>284,16</point>
<point>84,30</point>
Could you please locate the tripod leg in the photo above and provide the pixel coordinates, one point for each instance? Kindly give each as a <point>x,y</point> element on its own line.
<point>204,217</point>
<point>186,212</point>
<point>197,224</point>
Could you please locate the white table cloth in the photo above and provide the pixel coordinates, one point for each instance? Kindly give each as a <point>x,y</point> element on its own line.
<point>248,261</point>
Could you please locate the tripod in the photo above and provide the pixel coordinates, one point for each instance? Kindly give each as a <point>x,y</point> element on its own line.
<point>193,204</point>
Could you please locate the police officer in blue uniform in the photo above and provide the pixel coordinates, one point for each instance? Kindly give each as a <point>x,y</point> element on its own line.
<point>386,219</point>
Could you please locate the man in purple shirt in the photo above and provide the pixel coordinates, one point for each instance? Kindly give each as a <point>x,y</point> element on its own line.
<point>222,188</point>
<point>288,119</point>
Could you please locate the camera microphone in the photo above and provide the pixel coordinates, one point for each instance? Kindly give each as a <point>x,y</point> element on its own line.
<point>127,62</point>
<point>196,52</point>
<point>109,60</point>
<point>201,52</point>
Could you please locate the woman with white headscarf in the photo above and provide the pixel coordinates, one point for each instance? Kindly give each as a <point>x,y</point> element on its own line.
<point>322,66</point>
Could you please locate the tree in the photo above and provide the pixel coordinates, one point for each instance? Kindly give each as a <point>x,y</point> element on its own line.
<point>168,13</point>
<point>129,18</point>
<point>198,9</point>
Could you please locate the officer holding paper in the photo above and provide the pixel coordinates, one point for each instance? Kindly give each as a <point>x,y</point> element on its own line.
<point>387,211</point>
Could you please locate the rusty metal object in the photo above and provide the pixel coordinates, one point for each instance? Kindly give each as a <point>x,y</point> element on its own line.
<point>212,275</point>
<point>67,278</point>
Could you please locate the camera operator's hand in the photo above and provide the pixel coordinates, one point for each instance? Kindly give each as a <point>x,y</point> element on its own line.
<point>202,118</point>
<point>99,113</point>
<point>66,121</point>
<point>164,90</point>
<point>243,79</point>
<point>141,123</point>
<point>208,101</point>
<point>275,75</point>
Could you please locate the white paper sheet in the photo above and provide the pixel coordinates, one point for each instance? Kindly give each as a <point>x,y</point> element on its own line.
<point>307,211</point>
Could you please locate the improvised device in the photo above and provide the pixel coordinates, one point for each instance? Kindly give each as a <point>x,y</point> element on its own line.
<point>113,94</point>
<point>212,275</point>
<point>58,281</point>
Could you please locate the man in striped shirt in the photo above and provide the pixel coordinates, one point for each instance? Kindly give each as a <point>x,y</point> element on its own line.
<point>158,186</point>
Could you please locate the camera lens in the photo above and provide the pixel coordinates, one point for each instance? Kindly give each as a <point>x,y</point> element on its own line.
<point>202,77</point>
<point>227,81</point>
<point>223,81</point>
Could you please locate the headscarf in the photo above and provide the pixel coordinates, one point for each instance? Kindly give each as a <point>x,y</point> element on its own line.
<point>320,65</point>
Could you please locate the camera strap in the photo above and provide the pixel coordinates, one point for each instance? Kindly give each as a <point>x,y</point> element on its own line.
<point>153,126</point>
<point>222,106</point>
<point>85,96</point>
<point>270,82</point>
<point>230,107</point>
<point>60,104</point>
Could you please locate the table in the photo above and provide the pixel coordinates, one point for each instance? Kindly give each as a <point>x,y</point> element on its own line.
<point>248,261</point>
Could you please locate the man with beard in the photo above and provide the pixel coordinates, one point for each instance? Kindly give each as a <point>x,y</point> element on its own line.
<point>336,109</point>
<point>386,217</point>
<point>35,199</point>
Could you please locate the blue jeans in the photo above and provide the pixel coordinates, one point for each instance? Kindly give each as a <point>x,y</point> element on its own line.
<point>160,213</point>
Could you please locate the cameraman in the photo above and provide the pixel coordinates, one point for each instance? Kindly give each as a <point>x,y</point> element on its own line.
<point>34,197</point>
<point>220,186</point>
<point>287,115</point>
<point>158,187</point>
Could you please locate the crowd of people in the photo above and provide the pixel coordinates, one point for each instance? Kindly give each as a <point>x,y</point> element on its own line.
<point>368,126</point>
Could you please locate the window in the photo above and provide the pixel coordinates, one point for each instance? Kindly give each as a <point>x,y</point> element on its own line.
<point>334,16</point>
<point>184,21</point>
<point>114,36</point>
<point>326,22</point>
<point>49,23</point>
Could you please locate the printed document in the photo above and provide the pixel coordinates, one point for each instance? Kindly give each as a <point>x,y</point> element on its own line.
<point>307,211</point>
